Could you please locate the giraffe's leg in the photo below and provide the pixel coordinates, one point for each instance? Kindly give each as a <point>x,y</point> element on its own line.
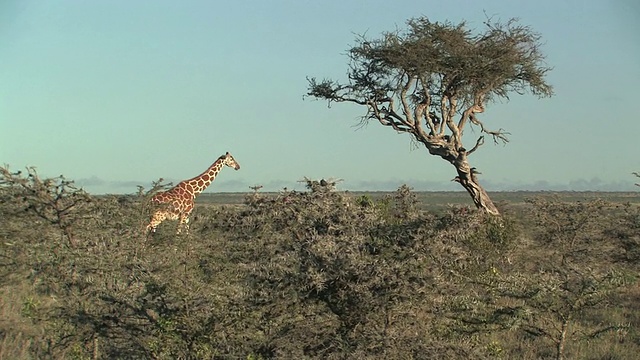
<point>157,218</point>
<point>184,223</point>
<point>186,216</point>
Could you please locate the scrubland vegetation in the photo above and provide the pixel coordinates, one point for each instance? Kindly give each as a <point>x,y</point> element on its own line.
<point>314,274</point>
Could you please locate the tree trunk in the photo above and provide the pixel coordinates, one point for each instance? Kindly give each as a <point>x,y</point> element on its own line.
<point>468,179</point>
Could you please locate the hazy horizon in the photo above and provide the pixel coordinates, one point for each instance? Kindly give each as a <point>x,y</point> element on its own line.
<point>98,187</point>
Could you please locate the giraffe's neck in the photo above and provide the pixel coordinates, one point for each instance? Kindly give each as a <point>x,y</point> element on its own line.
<point>202,181</point>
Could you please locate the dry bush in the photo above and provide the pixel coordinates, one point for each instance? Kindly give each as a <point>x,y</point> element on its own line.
<point>316,274</point>
<point>56,201</point>
<point>559,279</point>
<point>330,276</point>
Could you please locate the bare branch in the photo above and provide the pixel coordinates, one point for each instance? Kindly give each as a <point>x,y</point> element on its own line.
<point>498,135</point>
<point>606,329</point>
<point>479,143</point>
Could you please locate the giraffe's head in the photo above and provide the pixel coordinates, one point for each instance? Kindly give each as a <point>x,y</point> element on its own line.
<point>230,161</point>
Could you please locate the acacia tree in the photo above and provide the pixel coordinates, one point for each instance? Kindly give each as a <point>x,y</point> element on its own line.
<point>434,79</point>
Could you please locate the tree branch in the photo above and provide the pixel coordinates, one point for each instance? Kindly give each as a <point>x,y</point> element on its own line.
<point>405,102</point>
<point>448,112</point>
<point>498,135</point>
<point>479,143</point>
<point>389,118</point>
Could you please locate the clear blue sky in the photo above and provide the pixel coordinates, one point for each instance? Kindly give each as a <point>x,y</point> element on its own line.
<point>118,93</point>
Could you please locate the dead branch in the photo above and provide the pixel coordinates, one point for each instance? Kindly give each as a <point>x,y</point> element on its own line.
<point>498,135</point>
<point>479,143</point>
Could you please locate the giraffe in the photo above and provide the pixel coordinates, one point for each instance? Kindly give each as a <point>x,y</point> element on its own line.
<point>179,201</point>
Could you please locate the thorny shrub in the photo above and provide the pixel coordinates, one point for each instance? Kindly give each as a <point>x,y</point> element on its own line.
<point>554,282</point>
<point>56,201</point>
<point>303,274</point>
<point>330,275</point>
